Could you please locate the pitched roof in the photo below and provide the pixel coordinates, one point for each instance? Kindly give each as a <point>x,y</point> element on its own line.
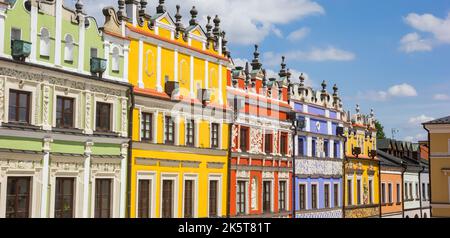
<point>444,120</point>
<point>383,143</point>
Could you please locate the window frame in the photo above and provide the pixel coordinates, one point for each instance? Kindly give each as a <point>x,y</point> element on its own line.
<point>169,123</point>
<point>73,104</point>
<point>244,147</point>
<point>110,203</point>
<point>29,196</point>
<point>144,129</point>
<point>215,135</point>
<point>17,107</point>
<point>72,195</point>
<point>268,143</point>
<point>99,117</point>
<point>282,195</point>
<point>241,197</point>
<point>302,199</point>
<point>190,132</point>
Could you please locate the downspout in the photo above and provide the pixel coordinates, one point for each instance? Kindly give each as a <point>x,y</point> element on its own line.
<point>294,135</point>
<point>130,147</point>
<point>230,131</point>
<point>379,188</point>
<point>344,162</point>
<point>403,189</point>
<point>429,172</point>
<point>420,188</point>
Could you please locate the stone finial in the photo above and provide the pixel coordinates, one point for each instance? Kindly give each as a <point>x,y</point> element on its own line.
<point>224,44</point>
<point>324,86</point>
<point>143,7</point>
<point>264,80</point>
<point>302,80</point>
<point>255,63</point>
<point>358,109</point>
<point>372,113</point>
<point>247,74</point>
<point>79,7</point>
<point>288,75</point>
<point>121,13</point>
<point>194,14</point>
<point>282,73</point>
<point>216,30</point>
<point>178,16</point>
<point>160,9</point>
<point>335,90</point>
<point>209,26</point>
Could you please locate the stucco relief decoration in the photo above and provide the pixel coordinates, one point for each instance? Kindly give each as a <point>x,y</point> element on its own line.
<point>361,213</point>
<point>124,117</point>
<point>268,175</point>
<point>46,102</point>
<point>275,142</point>
<point>290,149</point>
<point>319,147</point>
<point>16,164</point>
<point>243,174</point>
<point>2,98</point>
<point>235,136</point>
<point>365,191</point>
<point>314,167</point>
<point>88,112</point>
<point>254,190</point>
<point>255,140</point>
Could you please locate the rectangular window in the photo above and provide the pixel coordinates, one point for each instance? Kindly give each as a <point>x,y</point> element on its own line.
<point>313,148</point>
<point>19,107</point>
<point>103,117</point>
<point>18,197</point>
<point>283,143</point>
<point>244,139</point>
<point>370,192</point>
<point>349,192</point>
<point>241,191</point>
<point>268,143</point>
<point>188,198</point>
<point>64,197</point>
<point>267,195</point>
<point>190,133</point>
<point>213,196</point>
<point>302,195</point>
<point>417,191</point>
<point>424,192</point>
<point>358,191</point>
<point>214,135</point>
<point>336,195</point>
<point>383,193</point>
<point>390,193</point>
<point>147,127</point>
<point>429,191</point>
<point>327,195</point>
<point>103,198</point>
<point>167,199</point>
<point>406,191</point>
<point>94,52</point>
<point>144,202</point>
<point>16,34</point>
<point>326,148</point>
<point>313,196</point>
<point>282,196</point>
<point>64,112</point>
<point>411,191</point>
<point>336,149</point>
<point>169,130</point>
<point>398,194</point>
<point>301,149</point>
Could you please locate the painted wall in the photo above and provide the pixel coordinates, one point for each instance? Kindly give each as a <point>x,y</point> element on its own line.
<point>394,179</point>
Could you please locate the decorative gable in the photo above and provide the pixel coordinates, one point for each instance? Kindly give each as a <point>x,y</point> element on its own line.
<point>165,21</point>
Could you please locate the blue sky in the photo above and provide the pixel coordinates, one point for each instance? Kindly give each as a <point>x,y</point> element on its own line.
<point>393,56</point>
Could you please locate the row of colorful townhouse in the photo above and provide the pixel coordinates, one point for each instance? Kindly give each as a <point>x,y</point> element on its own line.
<point>146,117</point>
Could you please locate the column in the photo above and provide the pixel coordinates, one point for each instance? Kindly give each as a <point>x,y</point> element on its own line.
<point>45,176</point>
<point>206,75</point>
<point>123,180</point>
<point>220,84</point>
<point>309,146</point>
<point>192,77</point>
<point>86,178</point>
<point>332,152</point>
<point>126,51</point>
<point>2,29</point>
<point>175,66</point>
<point>81,41</point>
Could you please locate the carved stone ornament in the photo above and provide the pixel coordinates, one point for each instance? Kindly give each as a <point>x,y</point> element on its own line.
<point>46,106</point>
<point>235,136</point>
<point>268,175</point>
<point>124,117</point>
<point>88,112</point>
<point>2,99</point>
<point>254,192</point>
<point>243,174</point>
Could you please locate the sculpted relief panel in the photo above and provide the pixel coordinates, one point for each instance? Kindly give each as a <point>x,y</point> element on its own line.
<point>322,167</point>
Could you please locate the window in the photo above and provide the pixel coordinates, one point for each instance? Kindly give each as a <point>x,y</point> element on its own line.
<point>144,202</point>
<point>44,48</point>
<point>64,200</point>
<point>19,106</point>
<point>68,48</point>
<point>302,196</point>
<point>383,193</point>
<point>398,194</point>
<point>244,139</point>
<point>417,191</point>
<point>327,195</point>
<point>94,52</point>
<point>16,34</point>
<point>282,196</point>
<point>314,196</point>
<point>336,195</point>
<point>267,195</point>
<point>170,130</point>
<point>424,192</point>
<point>336,149</point>
<point>103,198</point>
<point>358,191</point>
<point>103,117</point>
<point>18,197</point>
<point>64,112</point>
<point>301,145</point>
<point>313,148</point>
<point>188,198</point>
<point>326,148</point>
<point>268,143</point>
<point>283,143</point>
<point>213,196</point>
<point>214,135</point>
<point>167,200</point>
<point>370,191</point>
<point>411,191</point>
<point>429,191</point>
<point>147,127</point>
<point>349,192</point>
<point>241,191</point>
<point>390,193</point>
<point>115,64</point>
<point>406,191</point>
<point>190,133</point>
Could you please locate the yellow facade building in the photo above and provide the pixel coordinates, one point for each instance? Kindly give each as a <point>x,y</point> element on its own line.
<point>439,139</point>
<point>361,168</point>
<point>180,133</point>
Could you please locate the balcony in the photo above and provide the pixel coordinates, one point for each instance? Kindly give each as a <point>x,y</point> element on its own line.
<point>98,65</point>
<point>20,49</point>
<point>204,95</point>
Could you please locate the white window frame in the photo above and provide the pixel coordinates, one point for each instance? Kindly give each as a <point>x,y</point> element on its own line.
<point>371,190</point>
<point>286,199</point>
<point>76,98</point>
<point>399,198</point>
<point>247,195</point>
<point>317,195</point>
<point>154,121</point>
<point>330,189</point>
<point>218,178</point>
<point>174,178</point>
<point>339,195</point>
<point>27,87</point>
<point>69,48</point>
<point>306,195</point>
<point>352,192</point>
<point>115,59</point>
<point>192,177</point>
<point>113,192</point>
<point>152,177</point>
<point>361,189</point>
<point>390,193</point>
<point>112,117</point>
<point>34,187</point>
<point>78,190</point>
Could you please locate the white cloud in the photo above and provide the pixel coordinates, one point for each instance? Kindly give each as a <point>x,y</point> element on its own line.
<point>400,90</point>
<point>246,22</point>
<point>419,119</point>
<point>413,42</point>
<point>277,32</point>
<point>240,62</point>
<point>441,97</point>
<point>416,138</point>
<point>318,55</point>
<point>298,34</point>
<point>438,30</point>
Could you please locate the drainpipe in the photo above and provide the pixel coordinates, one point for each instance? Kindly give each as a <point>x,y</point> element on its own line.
<point>429,171</point>
<point>403,189</point>
<point>379,187</point>
<point>130,147</point>
<point>344,162</point>
<point>294,135</point>
<point>230,132</point>
<point>420,188</point>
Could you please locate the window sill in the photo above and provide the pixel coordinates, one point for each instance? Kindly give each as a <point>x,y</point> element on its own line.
<point>67,130</point>
<point>106,133</point>
<point>18,125</point>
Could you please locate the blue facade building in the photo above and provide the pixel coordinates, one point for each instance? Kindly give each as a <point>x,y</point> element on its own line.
<point>319,152</point>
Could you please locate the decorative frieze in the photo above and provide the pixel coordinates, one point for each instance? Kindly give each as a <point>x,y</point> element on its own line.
<point>242,174</point>
<point>46,107</point>
<point>254,192</point>
<point>321,214</point>
<point>87,118</point>
<point>255,140</point>
<point>124,117</point>
<point>315,166</point>
<point>268,175</point>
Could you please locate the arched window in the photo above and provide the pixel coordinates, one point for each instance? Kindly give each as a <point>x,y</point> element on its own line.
<point>44,43</point>
<point>115,60</point>
<point>68,48</point>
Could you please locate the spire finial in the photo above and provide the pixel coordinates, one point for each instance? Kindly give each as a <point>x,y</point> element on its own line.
<point>255,63</point>
<point>208,26</point>
<point>372,113</point>
<point>264,81</point>
<point>282,73</point>
<point>216,30</point>
<point>324,86</point>
<point>357,109</point>
<point>121,13</point>
<point>194,14</point>
<point>143,7</point>
<point>302,80</point>
<point>79,7</point>
<point>160,9</point>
